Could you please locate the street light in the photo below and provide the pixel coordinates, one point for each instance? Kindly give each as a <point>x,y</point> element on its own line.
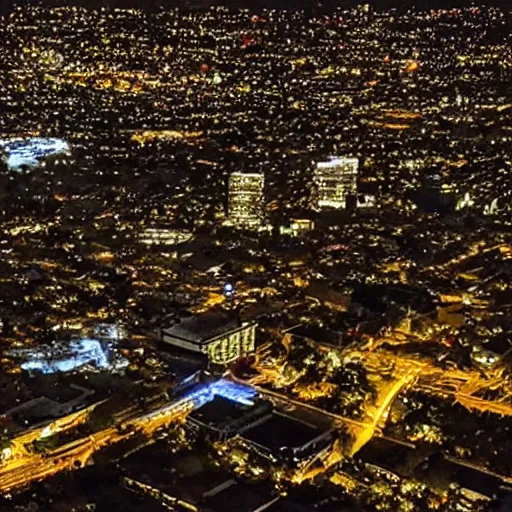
<point>229,292</point>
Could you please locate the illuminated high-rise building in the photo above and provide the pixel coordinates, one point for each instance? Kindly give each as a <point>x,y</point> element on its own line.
<point>365,12</point>
<point>245,206</point>
<point>333,182</point>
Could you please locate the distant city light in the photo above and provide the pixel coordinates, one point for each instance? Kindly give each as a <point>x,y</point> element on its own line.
<point>411,66</point>
<point>217,79</point>
<point>228,289</point>
<point>29,152</point>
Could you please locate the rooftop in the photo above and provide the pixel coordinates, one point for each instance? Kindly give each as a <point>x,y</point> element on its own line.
<point>242,497</point>
<point>281,431</point>
<point>220,409</point>
<point>222,412</point>
<point>199,329</point>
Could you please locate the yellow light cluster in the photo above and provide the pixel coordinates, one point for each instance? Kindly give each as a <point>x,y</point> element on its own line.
<point>150,135</point>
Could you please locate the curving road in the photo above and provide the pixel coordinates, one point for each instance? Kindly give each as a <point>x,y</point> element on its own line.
<point>24,468</point>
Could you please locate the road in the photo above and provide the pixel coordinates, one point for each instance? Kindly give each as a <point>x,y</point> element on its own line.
<point>362,430</point>
<point>19,443</point>
<point>463,385</point>
<point>378,414</point>
<point>403,372</point>
<point>24,468</point>
<point>393,375</point>
<point>286,403</point>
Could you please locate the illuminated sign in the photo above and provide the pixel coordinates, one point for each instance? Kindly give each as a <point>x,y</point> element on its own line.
<point>229,348</point>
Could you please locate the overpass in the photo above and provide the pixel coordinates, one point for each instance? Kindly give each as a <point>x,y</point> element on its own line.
<point>362,430</point>
<point>24,467</point>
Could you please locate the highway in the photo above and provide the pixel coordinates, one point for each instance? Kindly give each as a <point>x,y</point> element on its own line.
<point>378,414</point>
<point>19,443</point>
<point>463,385</point>
<point>24,468</point>
<point>362,430</point>
<point>286,403</point>
<point>402,372</point>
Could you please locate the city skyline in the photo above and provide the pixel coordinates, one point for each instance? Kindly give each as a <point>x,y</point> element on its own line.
<point>255,259</point>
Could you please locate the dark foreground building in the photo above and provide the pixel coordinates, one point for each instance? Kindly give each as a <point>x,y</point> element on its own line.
<point>224,418</point>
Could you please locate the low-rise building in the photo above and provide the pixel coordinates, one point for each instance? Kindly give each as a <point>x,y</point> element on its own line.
<point>220,338</point>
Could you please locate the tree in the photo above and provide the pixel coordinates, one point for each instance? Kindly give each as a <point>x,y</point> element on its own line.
<point>5,442</point>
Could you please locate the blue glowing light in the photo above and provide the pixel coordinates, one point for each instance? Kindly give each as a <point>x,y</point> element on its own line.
<point>78,354</point>
<point>228,289</point>
<point>108,331</point>
<point>233,391</point>
<point>29,152</point>
<point>204,393</point>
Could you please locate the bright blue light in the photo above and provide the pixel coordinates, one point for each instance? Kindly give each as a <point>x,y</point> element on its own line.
<point>228,289</point>
<point>204,393</point>
<point>29,152</point>
<point>110,331</point>
<point>79,353</point>
<point>233,391</point>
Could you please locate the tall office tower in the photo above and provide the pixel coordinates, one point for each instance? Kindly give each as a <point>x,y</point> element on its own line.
<point>365,12</point>
<point>245,206</point>
<point>333,181</point>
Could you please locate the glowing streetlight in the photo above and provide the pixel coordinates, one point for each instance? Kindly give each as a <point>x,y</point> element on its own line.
<point>228,289</point>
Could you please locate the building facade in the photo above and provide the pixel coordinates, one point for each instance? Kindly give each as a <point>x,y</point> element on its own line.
<point>245,206</point>
<point>333,182</point>
<point>220,348</point>
<point>298,227</point>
